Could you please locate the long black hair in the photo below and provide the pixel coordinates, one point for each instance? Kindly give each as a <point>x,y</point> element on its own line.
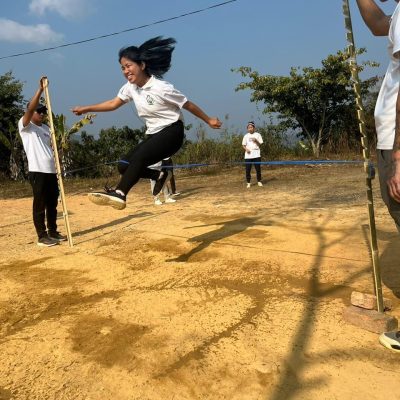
<point>155,53</point>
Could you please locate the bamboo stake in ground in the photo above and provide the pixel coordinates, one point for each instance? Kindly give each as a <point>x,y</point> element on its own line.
<point>56,160</point>
<point>367,163</point>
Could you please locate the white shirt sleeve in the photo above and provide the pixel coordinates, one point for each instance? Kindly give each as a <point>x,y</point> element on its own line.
<point>259,138</point>
<point>174,96</point>
<point>125,94</point>
<point>244,141</point>
<point>22,128</point>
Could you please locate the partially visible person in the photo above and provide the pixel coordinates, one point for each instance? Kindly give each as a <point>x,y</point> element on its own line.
<point>387,109</point>
<point>251,143</point>
<point>36,139</point>
<point>168,162</point>
<point>166,191</point>
<point>387,121</point>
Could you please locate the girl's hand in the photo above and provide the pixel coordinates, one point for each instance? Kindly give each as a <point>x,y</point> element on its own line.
<point>77,110</point>
<point>43,82</point>
<point>214,123</point>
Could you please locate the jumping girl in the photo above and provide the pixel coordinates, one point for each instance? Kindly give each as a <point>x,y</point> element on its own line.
<point>159,104</point>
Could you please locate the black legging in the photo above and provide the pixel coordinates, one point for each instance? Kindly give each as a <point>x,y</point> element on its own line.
<point>257,166</point>
<point>45,198</point>
<point>153,149</point>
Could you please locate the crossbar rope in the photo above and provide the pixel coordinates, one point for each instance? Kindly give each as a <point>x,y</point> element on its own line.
<point>200,165</point>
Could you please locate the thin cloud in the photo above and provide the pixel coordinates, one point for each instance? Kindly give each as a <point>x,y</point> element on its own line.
<point>69,9</point>
<point>56,59</point>
<point>11,31</point>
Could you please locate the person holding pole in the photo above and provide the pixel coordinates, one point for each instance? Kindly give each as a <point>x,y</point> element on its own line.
<point>159,104</point>
<point>387,121</point>
<point>36,140</point>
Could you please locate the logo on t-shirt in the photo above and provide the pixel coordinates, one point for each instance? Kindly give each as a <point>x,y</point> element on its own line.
<point>149,100</point>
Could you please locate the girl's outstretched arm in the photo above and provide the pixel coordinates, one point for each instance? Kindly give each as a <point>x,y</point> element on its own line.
<point>108,105</point>
<point>213,122</point>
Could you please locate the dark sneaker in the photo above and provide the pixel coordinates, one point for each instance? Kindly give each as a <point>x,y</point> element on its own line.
<point>160,182</point>
<point>57,236</point>
<point>45,241</point>
<point>108,198</point>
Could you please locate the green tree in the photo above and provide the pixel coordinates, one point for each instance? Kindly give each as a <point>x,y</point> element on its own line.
<point>11,109</point>
<point>313,102</point>
<point>84,156</point>
<point>64,135</point>
<point>114,143</point>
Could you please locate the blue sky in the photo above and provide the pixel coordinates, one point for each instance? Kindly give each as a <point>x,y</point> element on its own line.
<point>269,36</point>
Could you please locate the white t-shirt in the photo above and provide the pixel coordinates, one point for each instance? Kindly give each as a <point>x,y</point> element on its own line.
<point>157,102</point>
<point>37,145</point>
<point>385,109</point>
<point>248,141</point>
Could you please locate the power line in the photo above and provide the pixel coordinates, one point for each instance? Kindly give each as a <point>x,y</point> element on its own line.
<point>120,32</point>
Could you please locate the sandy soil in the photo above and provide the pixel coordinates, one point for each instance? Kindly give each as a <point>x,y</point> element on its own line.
<point>230,293</point>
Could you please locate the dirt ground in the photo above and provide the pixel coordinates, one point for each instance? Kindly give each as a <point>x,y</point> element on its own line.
<point>230,293</point>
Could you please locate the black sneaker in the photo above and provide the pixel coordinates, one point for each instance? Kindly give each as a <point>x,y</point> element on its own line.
<point>160,182</point>
<point>57,236</point>
<point>45,241</point>
<point>108,198</point>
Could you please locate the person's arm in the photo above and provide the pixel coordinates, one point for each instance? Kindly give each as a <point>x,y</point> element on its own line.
<point>394,181</point>
<point>26,119</point>
<point>108,105</point>
<point>376,20</point>
<point>213,122</point>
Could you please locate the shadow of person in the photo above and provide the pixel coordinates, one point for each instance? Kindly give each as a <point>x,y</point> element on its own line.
<point>390,261</point>
<point>227,229</point>
<point>189,192</point>
<point>112,223</point>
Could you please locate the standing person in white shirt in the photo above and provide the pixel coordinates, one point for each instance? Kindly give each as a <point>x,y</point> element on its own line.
<point>36,140</point>
<point>159,104</point>
<point>387,121</point>
<point>251,143</point>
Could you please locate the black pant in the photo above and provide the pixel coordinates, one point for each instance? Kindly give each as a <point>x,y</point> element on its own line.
<point>170,164</point>
<point>153,149</point>
<point>385,170</point>
<point>249,163</point>
<point>45,197</point>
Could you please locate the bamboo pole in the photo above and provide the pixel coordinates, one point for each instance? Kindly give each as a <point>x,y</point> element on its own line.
<point>57,160</point>
<point>368,168</point>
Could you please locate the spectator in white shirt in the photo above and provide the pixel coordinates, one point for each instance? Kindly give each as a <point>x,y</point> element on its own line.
<point>251,143</point>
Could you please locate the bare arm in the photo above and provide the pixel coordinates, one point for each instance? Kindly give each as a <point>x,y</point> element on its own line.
<point>213,122</point>
<point>33,103</point>
<point>376,20</point>
<point>108,105</point>
<point>394,181</point>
